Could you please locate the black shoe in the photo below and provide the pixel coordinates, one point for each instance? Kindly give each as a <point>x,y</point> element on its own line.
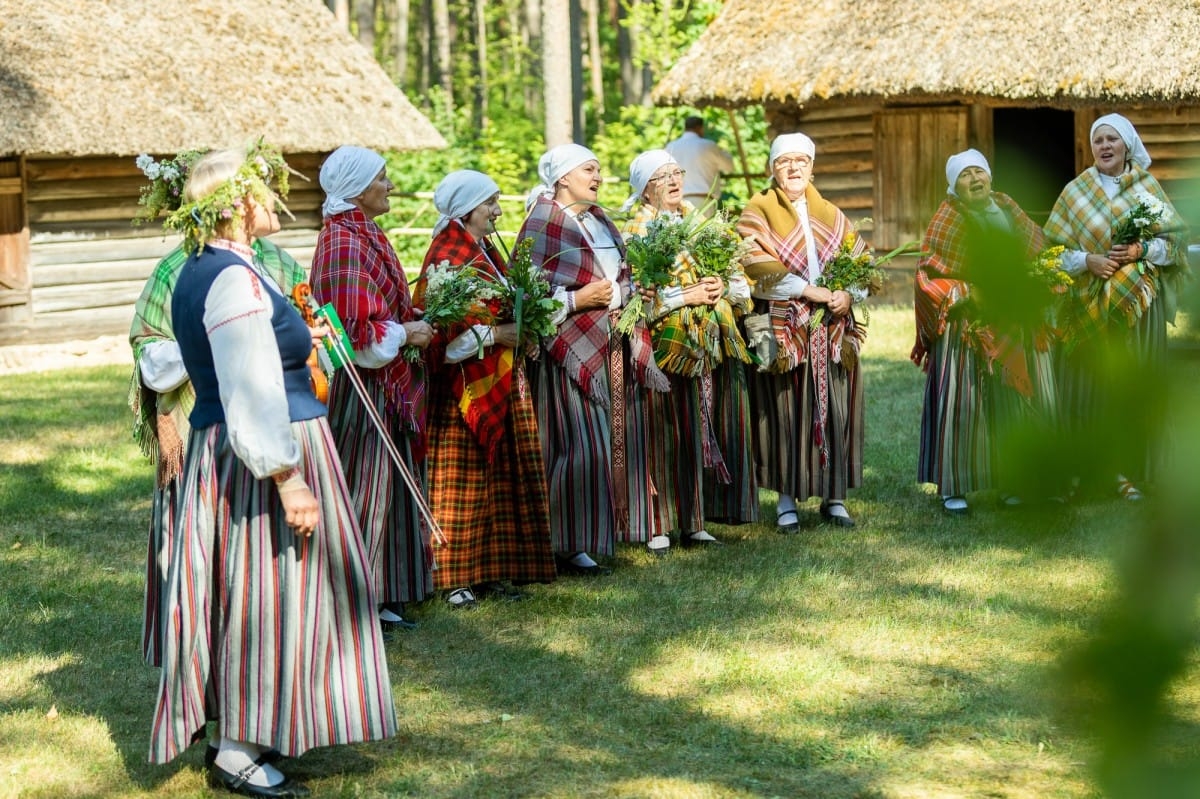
<point>461,599</point>
<point>834,519</point>
<point>271,756</point>
<point>288,789</point>
<point>565,566</point>
<point>402,624</point>
<point>788,528</point>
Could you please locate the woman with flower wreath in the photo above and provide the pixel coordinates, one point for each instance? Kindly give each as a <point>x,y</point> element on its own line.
<point>487,482</point>
<point>1126,246</point>
<point>807,401</point>
<point>590,417</point>
<point>273,633</point>
<point>988,367</point>
<point>160,394</point>
<point>694,328</point>
<point>356,269</point>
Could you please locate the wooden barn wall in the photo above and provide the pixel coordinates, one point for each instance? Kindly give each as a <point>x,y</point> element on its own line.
<point>14,244</point>
<point>88,263</point>
<point>1172,137</point>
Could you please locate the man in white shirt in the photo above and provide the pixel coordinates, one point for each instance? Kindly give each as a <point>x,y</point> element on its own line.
<point>703,163</point>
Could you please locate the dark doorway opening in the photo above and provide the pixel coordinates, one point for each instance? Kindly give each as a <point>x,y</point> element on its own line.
<point>1034,156</point>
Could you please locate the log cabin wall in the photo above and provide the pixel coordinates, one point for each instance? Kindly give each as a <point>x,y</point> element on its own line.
<point>14,245</point>
<point>87,263</point>
<point>1172,137</point>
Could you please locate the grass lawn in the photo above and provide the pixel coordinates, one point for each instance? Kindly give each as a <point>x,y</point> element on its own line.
<point>917,655</point>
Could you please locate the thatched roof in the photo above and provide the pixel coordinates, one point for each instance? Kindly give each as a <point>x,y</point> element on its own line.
<point>120,77</point>
<point>1053,52</point>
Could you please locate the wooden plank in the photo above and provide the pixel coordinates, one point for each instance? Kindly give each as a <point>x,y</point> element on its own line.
<point>119,188</point>
<point>11,185</point>
<point>54,327</point>
<point>86,296</point>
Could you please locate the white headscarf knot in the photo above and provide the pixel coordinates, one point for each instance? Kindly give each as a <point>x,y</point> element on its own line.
<point>459,194</point>
<point>346,173</point>
<point>554,163</point>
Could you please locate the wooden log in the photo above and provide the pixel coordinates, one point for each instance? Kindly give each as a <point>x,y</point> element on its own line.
<point>84,296</point>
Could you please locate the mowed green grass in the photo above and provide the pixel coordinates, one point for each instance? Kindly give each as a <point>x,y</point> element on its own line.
<point>916,655</point>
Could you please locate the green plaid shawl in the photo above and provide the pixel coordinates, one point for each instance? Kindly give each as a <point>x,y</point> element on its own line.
<point>160,421</point>
<point>1082,219</point>
<point>694,339</point>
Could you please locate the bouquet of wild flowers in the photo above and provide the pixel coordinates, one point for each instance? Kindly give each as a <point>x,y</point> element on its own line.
<point>850,272</point>
<point>1046,270</point>
<point>1140,222</point>
<point>528,298</point>
<point>454,295</point>
<point>651,256</point>
<point>714,245</point>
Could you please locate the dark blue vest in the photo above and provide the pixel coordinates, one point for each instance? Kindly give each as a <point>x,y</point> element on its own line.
<point>187,318</point>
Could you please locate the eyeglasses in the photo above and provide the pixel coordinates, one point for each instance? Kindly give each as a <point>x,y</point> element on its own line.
<point>790,163</point>
<point>676,175</point>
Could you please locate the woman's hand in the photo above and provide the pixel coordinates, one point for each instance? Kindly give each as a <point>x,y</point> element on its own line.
<point>816,294</point>
<point>840,303</point>
<point>505,335</point>
<point>597,294</point>
<point>715,287</point>
<point>419,334</point>
<point>300,508</point>
<point>1101,265</point>
<point>1127,253</point>
<point>319,332</point>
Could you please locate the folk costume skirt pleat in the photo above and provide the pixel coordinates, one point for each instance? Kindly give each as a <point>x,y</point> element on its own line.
<point>678,462</point>
<point>576,448</point>
<point>495,517</point>
<point>1024,430</point>
<point>158,552</point>
<point>787,456</point>
<point>391,524</point>
<point>734,502</point>
<point>271,634</point>
<point>955,452</point>
<point>651,494</point>
<point>1105,405</point>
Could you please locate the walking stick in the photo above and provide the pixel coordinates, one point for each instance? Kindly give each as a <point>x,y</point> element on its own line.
<point>360,388</point>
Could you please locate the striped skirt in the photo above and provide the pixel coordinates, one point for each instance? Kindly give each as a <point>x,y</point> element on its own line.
<point>736,501</point>
<point>787,457</point>
<point>576,445</point>
<point>1113,399</point>
<point>677,460</point>
<point>158,551</point>
<point>955,452</point>
<point>495,517</point>
<point>272,635</point>
<point>391,524</point>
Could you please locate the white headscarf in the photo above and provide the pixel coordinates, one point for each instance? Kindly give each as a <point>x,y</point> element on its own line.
<point>1134,149</point>
<point>346,173</point>
<point>956,163</point>
<point>791,143</point>
<point>459,194</point>
<point>554,163</point>
<point>641,170</point>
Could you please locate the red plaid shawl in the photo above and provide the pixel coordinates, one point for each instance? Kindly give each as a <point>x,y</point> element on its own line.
<point>778,247</point>
<point>480,385</point>
<point>356,269</point>
<point>582,342</point>
<point>939,286</point>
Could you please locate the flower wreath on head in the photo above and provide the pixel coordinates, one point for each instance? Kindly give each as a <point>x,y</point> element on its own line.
<point>199,220</point>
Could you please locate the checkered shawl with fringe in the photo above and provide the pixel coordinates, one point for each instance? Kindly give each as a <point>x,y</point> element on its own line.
<point>939,287</point>
<point>692,340</point>
<point>1082,219</point>
<point>356,269</point>
<point>480,385</point>
<point>778,248</point>
<point>581,345</point>
<point>160,424</point>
